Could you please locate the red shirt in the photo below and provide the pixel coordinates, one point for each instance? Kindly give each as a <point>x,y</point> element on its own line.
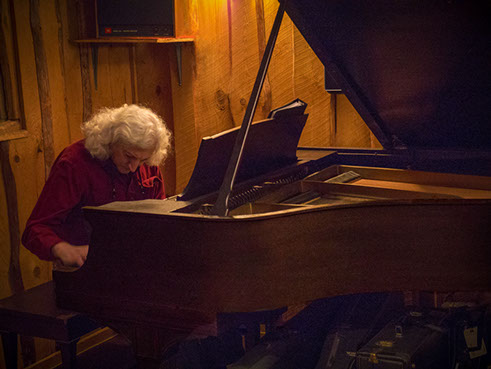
<point>77,180</point>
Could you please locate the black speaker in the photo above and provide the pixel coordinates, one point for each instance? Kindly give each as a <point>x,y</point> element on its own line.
<point>141,18</point>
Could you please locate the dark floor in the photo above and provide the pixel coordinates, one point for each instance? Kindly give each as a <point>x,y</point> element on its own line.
<point>116,353</point>
<point>144,363</point>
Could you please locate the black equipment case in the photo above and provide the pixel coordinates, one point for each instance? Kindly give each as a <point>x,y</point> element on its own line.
<point>416,340</point>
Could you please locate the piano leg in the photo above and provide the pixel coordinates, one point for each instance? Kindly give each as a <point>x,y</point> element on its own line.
<point>68,354</point>
<point>9,343</point>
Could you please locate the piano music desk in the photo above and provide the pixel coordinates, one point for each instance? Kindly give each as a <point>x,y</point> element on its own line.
<point>34,313</point>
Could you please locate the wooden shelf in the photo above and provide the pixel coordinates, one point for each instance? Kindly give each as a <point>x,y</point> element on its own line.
<point>135,40</point>
<point>177,41</point>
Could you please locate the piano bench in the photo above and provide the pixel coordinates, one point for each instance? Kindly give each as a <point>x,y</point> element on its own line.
<point>34,313</point>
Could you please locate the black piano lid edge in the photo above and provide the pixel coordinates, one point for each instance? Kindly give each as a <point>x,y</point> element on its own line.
<point>416,72</point>
<point>457,161</point>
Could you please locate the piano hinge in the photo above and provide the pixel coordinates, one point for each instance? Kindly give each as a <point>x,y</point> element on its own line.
<point>257,191</point>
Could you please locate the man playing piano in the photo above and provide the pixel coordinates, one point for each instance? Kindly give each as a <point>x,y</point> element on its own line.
<point>117,161</point>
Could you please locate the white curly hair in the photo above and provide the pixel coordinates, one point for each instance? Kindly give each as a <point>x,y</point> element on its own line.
<point>129,125</point>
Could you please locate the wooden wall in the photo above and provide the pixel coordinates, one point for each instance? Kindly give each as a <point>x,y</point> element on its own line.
<point>62,83</point>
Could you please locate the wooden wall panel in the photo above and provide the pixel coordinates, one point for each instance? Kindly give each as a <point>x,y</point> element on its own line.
<point>201,103</point>
<point>265,101</point>
<point>22,272</point>
<point>42,75</point>
<point>33,270</point>
<point>154,90</point>
<point>110,75</point>
<point>25,160</point>
<point>185,117</point>
<point>245,60</point>
<point>28,163</point>
<point>4,242</point>
<point>280,72</point>
<point>85,53</point>
<point>309,86</point>
<point>227,55</point>
<point>14,276</point>
<point>351,130</point>
<point>26,155</point>
<point>50,27</point>
<point>70,70</point>
<point>27,68</point>
<point>186,18</point>
<point>9,45</point>
<point>213,65</point>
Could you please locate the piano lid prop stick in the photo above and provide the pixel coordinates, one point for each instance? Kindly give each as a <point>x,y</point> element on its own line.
<point>221,205</point>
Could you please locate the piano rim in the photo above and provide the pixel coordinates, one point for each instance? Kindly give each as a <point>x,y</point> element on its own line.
<point>111,208</point>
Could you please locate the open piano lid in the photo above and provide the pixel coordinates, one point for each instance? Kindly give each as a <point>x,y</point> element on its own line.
<point>418,72</point>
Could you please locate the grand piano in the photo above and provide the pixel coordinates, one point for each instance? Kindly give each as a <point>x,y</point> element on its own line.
<point>264,224</point>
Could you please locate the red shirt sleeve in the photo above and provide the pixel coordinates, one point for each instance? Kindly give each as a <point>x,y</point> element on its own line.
<point>60,195</point>
<point>76,181</point>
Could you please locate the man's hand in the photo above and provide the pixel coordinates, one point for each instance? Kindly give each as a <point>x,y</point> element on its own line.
<point>69,255</point>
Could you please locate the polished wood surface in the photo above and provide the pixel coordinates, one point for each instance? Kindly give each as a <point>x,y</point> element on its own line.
<point>34,313</point>
<point>273,253</point>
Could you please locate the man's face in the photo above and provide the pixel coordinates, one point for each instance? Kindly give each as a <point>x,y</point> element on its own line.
<point>128,159</point>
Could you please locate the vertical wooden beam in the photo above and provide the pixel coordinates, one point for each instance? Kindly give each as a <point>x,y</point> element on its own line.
<point>43,85</point>
<point>15,277</point>
<point>3,96</point>
<point>10,64</point>
<point>19,112</point>
<point>61,49</point>
<point>134,80</point>
<point>14,274</point>
<point>6,82</point>
<point>84,24</point>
